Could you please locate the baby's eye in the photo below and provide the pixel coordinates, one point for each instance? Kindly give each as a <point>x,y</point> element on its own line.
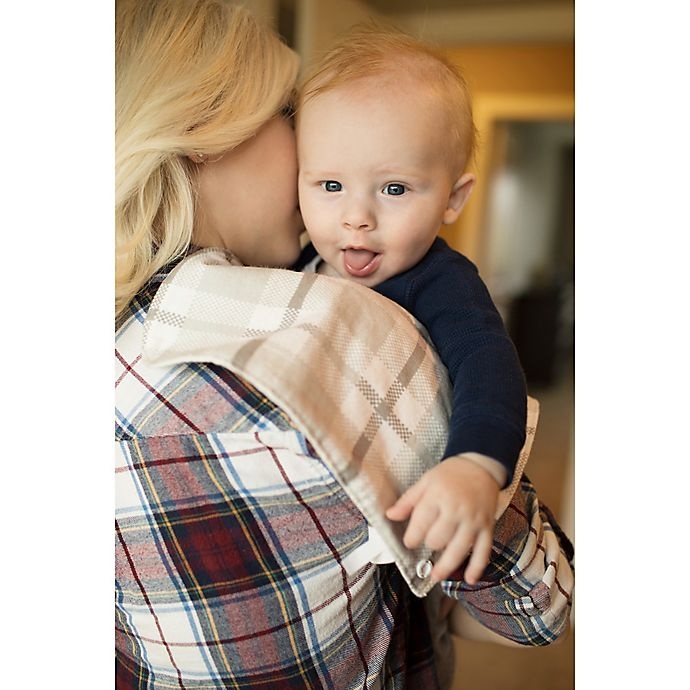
<point>394,189</point>
<point>331,186</point>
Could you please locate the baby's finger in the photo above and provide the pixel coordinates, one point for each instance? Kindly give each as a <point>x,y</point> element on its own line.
<point>423,516</point>
<point>481,552</point>
<point>440,533</point>
<point>454,554</point>
<point>402,508</point>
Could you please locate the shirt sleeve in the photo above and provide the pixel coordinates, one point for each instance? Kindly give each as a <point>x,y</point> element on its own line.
<point>445,293</point>
<point>526,593</point>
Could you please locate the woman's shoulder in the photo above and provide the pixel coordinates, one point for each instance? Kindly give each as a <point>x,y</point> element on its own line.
<point>187,398</point>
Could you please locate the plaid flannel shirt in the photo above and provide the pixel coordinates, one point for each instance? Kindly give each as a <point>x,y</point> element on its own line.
<point>232,533</point>
<point>230,537</point>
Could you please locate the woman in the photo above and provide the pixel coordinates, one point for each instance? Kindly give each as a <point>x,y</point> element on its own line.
<point>205,157</point>
<point>233,537</point>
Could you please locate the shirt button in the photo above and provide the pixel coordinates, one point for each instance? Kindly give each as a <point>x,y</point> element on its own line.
<point>424,568</point>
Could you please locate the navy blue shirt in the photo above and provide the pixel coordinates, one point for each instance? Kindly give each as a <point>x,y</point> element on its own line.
<point>446,295</point>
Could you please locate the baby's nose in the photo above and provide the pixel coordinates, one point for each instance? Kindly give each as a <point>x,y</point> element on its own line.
<point>359,217</point>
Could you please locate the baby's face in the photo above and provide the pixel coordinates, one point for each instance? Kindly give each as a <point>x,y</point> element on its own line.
<point>374,178</point>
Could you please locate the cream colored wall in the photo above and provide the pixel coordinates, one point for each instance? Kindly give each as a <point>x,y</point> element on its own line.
<point>534,21</point>
<point>320,22</point>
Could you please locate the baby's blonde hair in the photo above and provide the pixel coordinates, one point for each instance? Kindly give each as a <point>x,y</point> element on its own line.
<point>372,50</point>
<point>192,77</point>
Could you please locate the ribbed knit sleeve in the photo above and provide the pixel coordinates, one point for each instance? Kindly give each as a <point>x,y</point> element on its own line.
<point>445,293</point>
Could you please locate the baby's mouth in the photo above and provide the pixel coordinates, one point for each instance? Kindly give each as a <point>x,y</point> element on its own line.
<point>360,262</point>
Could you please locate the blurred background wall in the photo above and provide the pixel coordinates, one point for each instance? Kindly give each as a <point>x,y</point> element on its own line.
<point>518,226</point>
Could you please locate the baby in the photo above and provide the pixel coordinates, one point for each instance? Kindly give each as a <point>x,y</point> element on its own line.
<point>384,132</point>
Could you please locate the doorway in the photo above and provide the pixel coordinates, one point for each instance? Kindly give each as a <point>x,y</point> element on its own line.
<point>529,240</point>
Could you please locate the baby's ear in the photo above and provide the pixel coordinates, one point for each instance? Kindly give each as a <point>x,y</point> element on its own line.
<point>458,197</point>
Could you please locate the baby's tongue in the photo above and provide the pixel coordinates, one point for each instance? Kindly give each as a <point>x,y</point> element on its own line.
<point>358,258</point>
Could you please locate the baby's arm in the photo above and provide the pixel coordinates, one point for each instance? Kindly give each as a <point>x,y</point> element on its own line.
<point>452,508</point>
<point>489,408</point>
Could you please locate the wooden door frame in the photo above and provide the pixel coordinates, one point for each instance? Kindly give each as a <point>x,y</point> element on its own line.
<point>467,234</point>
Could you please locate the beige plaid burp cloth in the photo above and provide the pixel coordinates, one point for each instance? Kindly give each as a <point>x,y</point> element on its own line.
<point>337,357</point>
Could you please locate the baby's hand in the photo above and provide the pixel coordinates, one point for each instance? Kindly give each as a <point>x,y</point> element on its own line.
<point>453,507</point>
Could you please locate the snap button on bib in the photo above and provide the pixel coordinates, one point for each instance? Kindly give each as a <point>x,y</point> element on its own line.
<point>424,568</point>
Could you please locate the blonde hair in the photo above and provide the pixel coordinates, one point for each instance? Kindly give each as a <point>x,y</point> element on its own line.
<point>372,50</point>
<point>192,77</point>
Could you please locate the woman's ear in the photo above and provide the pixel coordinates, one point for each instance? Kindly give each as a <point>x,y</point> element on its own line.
<point>458,197</point>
